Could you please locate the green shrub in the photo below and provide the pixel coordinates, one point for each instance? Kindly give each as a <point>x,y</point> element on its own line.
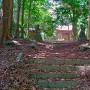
<point>8,43</point>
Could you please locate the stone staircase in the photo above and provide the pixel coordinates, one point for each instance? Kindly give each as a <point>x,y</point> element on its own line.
<point>56,74</point>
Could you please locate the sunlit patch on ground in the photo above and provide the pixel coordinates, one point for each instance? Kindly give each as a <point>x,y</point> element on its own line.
<point>16,42</point>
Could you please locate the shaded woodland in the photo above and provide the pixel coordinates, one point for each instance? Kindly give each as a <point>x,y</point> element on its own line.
<point>30,56</point>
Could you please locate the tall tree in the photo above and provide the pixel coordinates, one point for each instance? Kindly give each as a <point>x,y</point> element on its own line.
<point>29,13</point>
<point>73,9</point>
<point>40,15</point>
<point>1,30</point>
<point>5,21</point>
<point>6,13</point>
<point>22,19</point>
<point>18,17</point>
<point>89,23</point>
<point>11,17</point>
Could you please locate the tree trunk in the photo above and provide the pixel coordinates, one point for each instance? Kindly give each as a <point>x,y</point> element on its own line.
<point>29,13</point>
<point>89,30</point>
<point>1,32</point>
<point>74,30</point>
<point>89,24</point>
<point>18,15</point>
<point>6,12</point>
<point>5,21</point>
<point>22,21</point>
<point>11,18</point>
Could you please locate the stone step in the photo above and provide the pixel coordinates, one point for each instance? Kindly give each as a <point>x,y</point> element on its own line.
<point>57,68</point>
<point>58,62</point>
<point>59,84</point>
<point>47,68</point>
<point>54,75</point>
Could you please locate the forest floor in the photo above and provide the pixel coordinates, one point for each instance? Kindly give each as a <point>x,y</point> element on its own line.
<point>58,66</point>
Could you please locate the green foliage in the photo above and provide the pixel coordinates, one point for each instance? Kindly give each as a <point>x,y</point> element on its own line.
<point>70,11</point>
<point>8,43</point>
<point>65,12</point>
<point>39,14</point>
<point>0,4</point>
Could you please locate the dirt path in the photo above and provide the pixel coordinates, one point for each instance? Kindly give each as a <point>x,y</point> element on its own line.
<point>50,68</point>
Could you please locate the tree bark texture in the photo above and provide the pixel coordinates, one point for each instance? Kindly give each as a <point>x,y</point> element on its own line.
<point>22,29</point>
<point>1,31</point>
<point>74,30</point>
<point>89,30</point>
<point>11,18</point>
<point>89,24</point>
<point>5,21</point>
<point>18,16</point>
<point>29,13</point>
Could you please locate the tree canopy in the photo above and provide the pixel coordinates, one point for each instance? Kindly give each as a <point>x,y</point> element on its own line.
<point>48,14</point>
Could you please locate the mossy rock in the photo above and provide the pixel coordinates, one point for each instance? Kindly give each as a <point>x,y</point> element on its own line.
<point>19,57</point>
<point>84,47</point>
